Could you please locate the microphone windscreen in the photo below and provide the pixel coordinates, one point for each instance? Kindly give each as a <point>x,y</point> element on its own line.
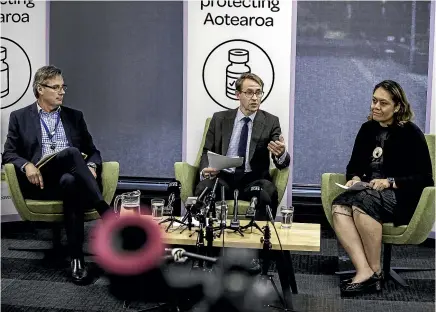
<point>174,186</point>
<point>127,245</point>
<point>264,197</point>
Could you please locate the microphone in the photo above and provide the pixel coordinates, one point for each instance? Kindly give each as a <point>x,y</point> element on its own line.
<point>174,189</point>
<point>223,215</point>
<point>127,245</point>
<point>234,224</point>
<point>199,203</point>
<point>211,199</point>
<point>214,188</point>
<point>251,211</point>
<point>203,194</point>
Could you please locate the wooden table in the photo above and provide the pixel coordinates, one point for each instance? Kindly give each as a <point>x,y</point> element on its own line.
<point>300,237</point>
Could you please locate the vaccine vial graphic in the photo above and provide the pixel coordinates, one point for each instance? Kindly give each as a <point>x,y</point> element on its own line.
<point>238,59</point>
<point>5,73</point>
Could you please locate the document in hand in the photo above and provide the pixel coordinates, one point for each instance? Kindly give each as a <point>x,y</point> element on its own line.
<point>356,186</point>
<point>47,158</point>
<point>220,162</point>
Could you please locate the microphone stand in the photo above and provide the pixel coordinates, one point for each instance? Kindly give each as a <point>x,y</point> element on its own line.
<point>172,218</point>
<point>209,237</point>
<point>188,216</point>
<point>210,200</point>
<point>267,246</point>
<point>266,257</point>
<point>178,255</point>
<point>223,214</point>
<point>189,211</point>
<point>234,224</point>
<point>252,221</point>
<point>200,244</point>
<point>175,255</point>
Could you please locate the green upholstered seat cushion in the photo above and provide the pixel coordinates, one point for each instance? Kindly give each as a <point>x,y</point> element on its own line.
<point>390,229</point>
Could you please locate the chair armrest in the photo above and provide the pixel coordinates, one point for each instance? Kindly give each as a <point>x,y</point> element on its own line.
<point>422,220</point>
<point>15,192</point>
<point>329,191</point>
<point>187,175</point>
<point>109,178</point>
<point>280,179</point>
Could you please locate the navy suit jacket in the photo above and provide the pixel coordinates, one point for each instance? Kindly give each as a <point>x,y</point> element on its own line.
<point>266,128</point>
<point>24,142</point>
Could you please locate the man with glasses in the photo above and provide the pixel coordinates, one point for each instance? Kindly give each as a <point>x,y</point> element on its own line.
<point>250,133</point>
<point>73,175</point>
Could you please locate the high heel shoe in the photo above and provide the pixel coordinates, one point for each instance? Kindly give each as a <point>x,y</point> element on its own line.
<point>370,285</point>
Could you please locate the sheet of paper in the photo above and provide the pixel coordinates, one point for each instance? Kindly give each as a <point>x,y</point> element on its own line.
<point>47,158</point>
<point>342,186</point>
<point>220,162</point>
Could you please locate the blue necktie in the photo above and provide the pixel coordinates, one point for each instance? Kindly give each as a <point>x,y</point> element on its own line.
<point>242,148</point>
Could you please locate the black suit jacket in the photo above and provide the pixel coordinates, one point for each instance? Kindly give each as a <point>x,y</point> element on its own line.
<point>406,158</point>
<point>266,128</point>
<point>24,142</point>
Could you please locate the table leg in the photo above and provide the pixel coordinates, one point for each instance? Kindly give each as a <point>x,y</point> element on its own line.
<point>290,267</point>
<point>284,280</point>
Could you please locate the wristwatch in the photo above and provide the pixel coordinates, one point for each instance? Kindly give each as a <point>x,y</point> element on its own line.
<point>391,181</point>
<point>92,165</point>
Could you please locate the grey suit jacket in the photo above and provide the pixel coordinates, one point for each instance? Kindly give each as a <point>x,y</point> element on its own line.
<point>266,128</point>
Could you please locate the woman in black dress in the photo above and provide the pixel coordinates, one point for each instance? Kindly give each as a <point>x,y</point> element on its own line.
<point>391,157</point>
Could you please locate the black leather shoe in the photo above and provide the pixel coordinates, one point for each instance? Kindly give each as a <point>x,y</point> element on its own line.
<point>370,285</point>
<point>79,273</point>
<point>380,276</point>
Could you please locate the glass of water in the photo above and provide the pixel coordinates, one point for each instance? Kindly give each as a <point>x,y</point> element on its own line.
<point>287,217</point>
<point>157,206</point>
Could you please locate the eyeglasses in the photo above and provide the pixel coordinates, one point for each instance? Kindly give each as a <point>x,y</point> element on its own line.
<point>249,94</point>
<point>57,88</point>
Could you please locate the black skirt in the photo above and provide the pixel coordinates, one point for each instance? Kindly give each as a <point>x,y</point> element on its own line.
<point>377,204</point>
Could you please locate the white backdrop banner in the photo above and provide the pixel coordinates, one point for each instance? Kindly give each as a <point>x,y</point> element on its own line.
<point>226,38</point>
<point>23,49</point>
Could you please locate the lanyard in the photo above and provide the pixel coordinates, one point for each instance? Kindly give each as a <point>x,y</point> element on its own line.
<point>51,134</point>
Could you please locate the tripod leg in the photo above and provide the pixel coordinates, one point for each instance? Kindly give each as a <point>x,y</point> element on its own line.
<point>239,231</point>
<point>166,220</point>
<point>169,225</point>
<point>257,227</point>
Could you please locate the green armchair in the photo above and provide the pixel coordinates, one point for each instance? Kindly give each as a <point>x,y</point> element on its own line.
<point>189,175</point>
<point>52,210</point>
<point>414,233</point>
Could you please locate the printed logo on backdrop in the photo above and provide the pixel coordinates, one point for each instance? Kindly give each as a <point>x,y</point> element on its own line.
<point>227,62</point>
<point>16,72</point>
<point>239,20</point>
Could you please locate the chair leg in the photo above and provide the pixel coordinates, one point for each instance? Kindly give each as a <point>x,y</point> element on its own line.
<point>393,275</point>
<point>408,269</point>
<point>345,272</point>
<point>56,251</point>
<point>390,272</point>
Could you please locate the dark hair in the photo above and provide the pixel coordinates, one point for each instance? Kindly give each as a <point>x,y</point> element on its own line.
<point>42,74</point>
<point>251,76</point>
<point>398,95</point>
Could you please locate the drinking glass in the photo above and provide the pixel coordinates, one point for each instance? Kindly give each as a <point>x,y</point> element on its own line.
<point>287,216</point>
<point>157,206</point>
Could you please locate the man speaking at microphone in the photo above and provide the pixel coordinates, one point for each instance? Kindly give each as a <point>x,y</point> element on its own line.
<point>250,133</point>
